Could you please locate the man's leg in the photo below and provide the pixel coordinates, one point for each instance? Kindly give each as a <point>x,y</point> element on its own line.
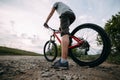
<point>63,63</point>
<point>64,25</point>
<point>64,46</point>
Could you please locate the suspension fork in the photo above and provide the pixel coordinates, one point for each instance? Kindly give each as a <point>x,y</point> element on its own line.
<point>52,38</point>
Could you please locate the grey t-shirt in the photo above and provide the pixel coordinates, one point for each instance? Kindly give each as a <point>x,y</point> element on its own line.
<point>61,8</point>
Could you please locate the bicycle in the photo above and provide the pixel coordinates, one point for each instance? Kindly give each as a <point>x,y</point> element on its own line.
<point>89,45</point>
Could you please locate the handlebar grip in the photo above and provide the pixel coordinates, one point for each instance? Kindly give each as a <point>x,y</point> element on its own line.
<point>46,25</point>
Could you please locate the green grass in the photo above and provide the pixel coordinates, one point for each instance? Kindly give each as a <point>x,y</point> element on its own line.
<point>13,51</point>
<point>114,58</point>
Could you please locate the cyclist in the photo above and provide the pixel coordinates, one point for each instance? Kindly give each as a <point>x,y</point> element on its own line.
<point>67,17</point>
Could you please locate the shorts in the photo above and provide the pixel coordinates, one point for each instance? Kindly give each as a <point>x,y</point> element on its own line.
<point>66,19</point>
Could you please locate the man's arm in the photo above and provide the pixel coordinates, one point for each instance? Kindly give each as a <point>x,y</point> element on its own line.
<point>49,16</point>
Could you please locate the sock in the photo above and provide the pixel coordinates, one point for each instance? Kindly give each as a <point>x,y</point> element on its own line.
<point>63,60</point>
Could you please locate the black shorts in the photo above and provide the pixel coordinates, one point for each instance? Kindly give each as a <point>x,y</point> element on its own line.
<point>66,19</point>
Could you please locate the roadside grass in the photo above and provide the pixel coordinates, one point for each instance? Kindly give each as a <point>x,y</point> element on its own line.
<point>114,58</point>
<point>13,51</point>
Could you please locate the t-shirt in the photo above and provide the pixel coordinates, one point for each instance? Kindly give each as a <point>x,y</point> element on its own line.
<point>61,8</point>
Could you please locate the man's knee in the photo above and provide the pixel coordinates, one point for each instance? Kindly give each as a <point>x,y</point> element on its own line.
<point>65,32</point>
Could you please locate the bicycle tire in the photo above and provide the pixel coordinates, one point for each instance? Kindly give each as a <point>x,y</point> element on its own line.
<point>50,55</point>
<point>106,45</point>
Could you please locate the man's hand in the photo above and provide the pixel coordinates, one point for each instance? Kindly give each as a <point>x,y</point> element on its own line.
<point>45,25</point>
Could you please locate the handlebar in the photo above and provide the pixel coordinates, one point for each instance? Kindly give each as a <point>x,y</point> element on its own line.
<point>54,30</point>
<point>47,26</point>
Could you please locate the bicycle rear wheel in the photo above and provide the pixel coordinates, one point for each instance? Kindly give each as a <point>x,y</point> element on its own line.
<point>50,51</point>
<point>96,46</point>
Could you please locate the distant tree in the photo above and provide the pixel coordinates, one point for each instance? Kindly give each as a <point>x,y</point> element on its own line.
<point>112,27</point>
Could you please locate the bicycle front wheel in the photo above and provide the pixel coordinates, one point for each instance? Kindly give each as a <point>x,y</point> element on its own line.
<point>50,51</point>
<point>96,46</point>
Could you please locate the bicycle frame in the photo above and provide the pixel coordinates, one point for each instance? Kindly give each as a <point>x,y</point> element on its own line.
<point>78,40</point>
<point>84,49</point>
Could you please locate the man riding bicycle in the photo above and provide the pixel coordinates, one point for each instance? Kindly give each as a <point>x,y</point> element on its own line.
<point>67,17</point>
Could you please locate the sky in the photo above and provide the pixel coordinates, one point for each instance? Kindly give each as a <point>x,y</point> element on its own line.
<point>21,21</point>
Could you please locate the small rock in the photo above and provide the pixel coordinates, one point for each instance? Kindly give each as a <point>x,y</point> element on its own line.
<point>46,74</point>
<point>68,77</point>
<point>1,72</point>
<point>62,77</point>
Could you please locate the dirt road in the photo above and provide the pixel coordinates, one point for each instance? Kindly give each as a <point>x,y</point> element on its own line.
<point>37,68</point>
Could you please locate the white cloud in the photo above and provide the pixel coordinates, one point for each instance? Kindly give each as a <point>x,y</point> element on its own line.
<point>104,20</point>
<point>86,18</point>
<point>18,17</point>
<point>28,20</point>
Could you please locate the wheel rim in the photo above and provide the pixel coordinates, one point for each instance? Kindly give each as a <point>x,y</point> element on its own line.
<point>50,51</point>
<point>95,42</point>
